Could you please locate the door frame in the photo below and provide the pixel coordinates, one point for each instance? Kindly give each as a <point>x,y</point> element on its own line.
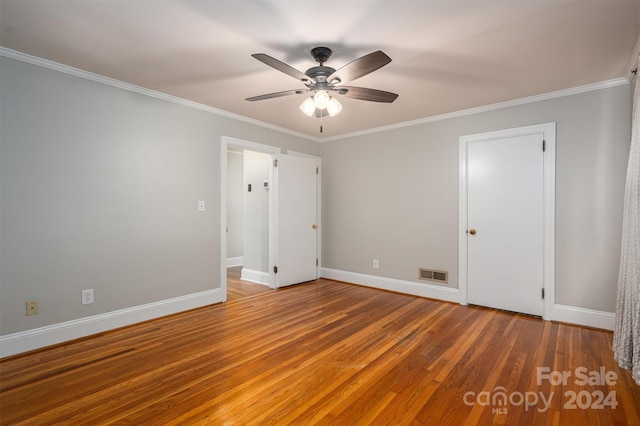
<point>548,131</point>
<point>225,143</point>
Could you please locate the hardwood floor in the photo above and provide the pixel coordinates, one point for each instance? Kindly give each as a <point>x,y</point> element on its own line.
<point>323,353</point>
<point>237,289</point>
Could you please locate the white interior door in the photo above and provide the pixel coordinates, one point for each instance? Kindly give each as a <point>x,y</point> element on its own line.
<point>296,220</point>
<point>505,223</point>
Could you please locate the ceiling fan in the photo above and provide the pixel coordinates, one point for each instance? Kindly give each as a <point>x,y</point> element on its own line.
<point>323,81</point>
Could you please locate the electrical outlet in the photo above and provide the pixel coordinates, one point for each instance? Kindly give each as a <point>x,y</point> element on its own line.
<point>32,307</point>
<point>201,206</point>
<point>87,296</point>
<point>376,263</point>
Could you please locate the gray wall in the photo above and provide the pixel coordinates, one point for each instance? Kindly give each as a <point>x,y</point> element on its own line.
<point>99,189</point>
<point>256,211</point>
<point>393,195</point>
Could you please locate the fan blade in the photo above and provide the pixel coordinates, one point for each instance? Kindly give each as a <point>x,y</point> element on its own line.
<point>365,94</point>
<point>277,94</point>
<point>361,66</point>
<point>281,66</point>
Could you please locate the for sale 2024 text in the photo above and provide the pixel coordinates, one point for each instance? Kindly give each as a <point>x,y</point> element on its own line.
<point>499,399</point>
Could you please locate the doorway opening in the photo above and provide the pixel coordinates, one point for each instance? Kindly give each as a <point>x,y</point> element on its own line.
<point>268,235</point>
<point>253,206</point>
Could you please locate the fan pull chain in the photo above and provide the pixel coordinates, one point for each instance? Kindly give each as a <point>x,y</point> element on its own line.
<point>321,115</point>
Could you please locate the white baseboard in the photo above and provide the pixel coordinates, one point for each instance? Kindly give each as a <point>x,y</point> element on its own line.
<point>12,344</point>
<point>562,313</point>
<point>15,343</point>
<point>235,261</point>
<point>254,276</point>
<point>583,316</point>
<point>391,284</point>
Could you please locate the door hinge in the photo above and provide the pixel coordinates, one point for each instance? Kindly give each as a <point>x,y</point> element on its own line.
<point>275,163</point>
<point>317,262</point>
<point>543,293</point>
<point>317,170</point>
<point>544,145</point>
<point>275,269</point>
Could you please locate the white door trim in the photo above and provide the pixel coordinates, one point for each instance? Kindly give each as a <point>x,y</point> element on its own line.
<point>227,142</point>
<point>548,130</point>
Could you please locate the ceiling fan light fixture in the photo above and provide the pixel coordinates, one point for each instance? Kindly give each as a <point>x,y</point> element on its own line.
<point>321,81</point>
<point>334,107</point>
<point>321,99</point>
<point>308,107</point>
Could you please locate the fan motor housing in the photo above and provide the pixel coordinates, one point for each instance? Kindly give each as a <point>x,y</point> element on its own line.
<point>320,73</point>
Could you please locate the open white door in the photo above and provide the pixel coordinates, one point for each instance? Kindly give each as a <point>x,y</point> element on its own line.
<point>296,220</point>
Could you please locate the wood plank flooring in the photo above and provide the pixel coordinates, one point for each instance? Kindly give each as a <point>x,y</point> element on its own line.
<point>322,353</point>
<point>237,288</point>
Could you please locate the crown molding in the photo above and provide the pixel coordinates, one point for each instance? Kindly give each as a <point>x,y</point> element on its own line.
<point>485,108</point>
<point>45,63</point>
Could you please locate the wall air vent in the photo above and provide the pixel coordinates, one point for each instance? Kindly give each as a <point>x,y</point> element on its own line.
<point>434,275</point>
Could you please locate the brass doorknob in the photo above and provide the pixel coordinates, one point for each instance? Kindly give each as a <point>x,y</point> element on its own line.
<point>472,231</point>
<point>314,226</point>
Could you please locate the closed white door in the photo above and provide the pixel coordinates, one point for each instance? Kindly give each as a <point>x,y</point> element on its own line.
<point>296,220</point>
<point>505,220</point>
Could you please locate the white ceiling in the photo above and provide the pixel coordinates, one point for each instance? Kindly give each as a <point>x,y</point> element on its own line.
<point>447,55</point>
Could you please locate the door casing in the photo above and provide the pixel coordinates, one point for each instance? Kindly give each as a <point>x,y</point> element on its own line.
<point>548,130</point>
<point>225,143</point>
